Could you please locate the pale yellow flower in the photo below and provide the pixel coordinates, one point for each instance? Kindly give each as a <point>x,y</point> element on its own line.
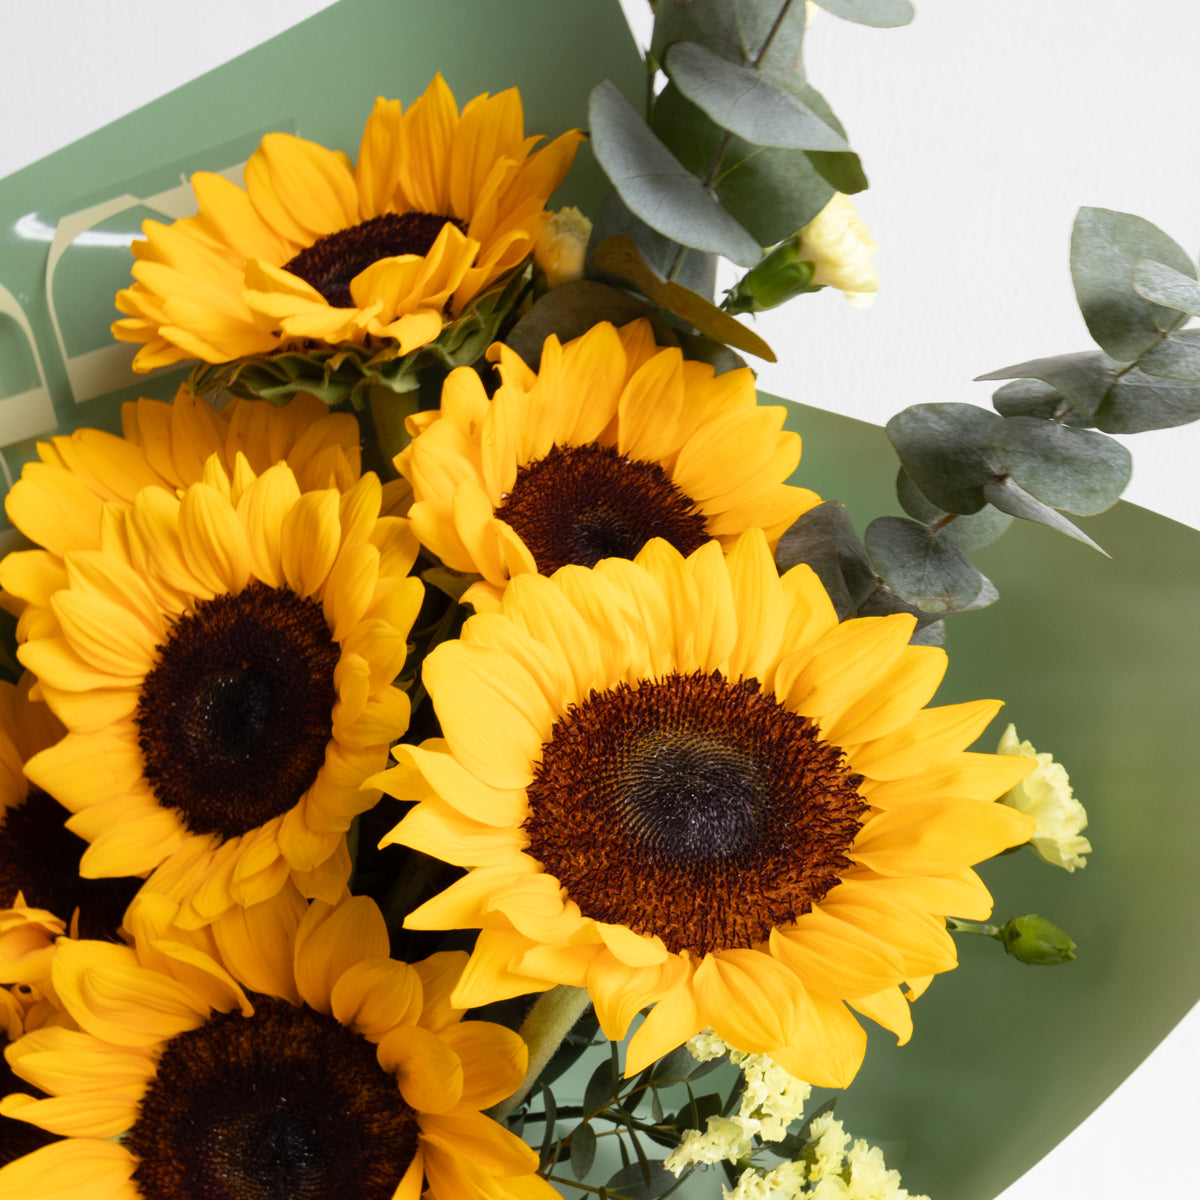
<point>836,241</point>
<point>561,249</point>
<point>1046,795</point>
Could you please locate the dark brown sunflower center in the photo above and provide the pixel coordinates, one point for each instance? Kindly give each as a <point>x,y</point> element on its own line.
<point>331,263</point>
<point>288,1104</point>
<point>235,716</point>
<point>694,808</point>
<point>580,504</point>
<point>39,857</point>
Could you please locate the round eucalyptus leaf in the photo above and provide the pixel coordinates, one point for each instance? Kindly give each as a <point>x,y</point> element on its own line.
<point>913,500</point>
<point>1033,398</point>
<point>1175,357</point>
<point>1105,248</point>
<point>1164,285</point>
<point>945,450</point>
<point>1083,378</point>
<point>920,567</point>
<point>1137,402</point>
<point>1079,470</point>
<point>1010,497</point>
<point>973,531</point>
<point>825,539</point>
<point>656,186</point>
<point>883,14</point>
<point>740,99</point>
<point>771,192</point>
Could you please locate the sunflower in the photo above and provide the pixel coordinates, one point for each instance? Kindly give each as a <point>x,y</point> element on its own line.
<point>223,663</point>
<point>439,206</point>
<point>42,895</point>
<point>58,500</point>
<point>612,442</point>
<point>22,1009</point>
<point>681,783</point>
<point>327,1070</point>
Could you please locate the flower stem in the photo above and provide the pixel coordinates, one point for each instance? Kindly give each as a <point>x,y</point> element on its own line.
<point>956,926</point>
<point>549,1021</point>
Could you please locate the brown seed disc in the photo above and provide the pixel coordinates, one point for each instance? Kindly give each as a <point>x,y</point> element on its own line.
<point>580,504</point>
<point>39,857</point>
<point>330,264</point>
<point>288,1104</point>
<point>235,716</point>
<point>694,808</point>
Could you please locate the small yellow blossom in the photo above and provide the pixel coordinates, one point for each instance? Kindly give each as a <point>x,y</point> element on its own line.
<point>727,1139</point>
<point>562,248</point>
<point>1046,795</point>
<point>836,241</point>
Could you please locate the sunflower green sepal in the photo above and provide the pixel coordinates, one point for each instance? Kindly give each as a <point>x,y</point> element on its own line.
<point>335,374</point>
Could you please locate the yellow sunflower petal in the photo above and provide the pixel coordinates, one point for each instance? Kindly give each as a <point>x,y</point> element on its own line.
<point>68,1169</point>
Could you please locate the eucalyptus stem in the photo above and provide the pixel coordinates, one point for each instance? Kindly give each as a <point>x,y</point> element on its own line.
<point>549,1021</point>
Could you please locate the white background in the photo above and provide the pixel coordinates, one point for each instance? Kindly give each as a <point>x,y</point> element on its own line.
<point>983,126</point>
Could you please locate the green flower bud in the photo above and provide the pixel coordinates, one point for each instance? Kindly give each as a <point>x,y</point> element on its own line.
<point>1036,941</point>
<point>780,276</point>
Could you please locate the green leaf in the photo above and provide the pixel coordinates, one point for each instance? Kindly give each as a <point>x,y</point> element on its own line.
<point>945,450</point>
<point>1176,357</point>
<point>736,30</point>
<point>1105,248</point>
<point>771,192</point>
<point>568,311</point>
<point>970,532</point>
<point>740,99</point>
<point>546,1154</point>
<point>1079,470</point>
<point>673,1068</point>
<point>1164,285</point>
<point>920,567</point>
<point>1083,378</point>
<point>976,530</point>
<point>583,1150</point>
<point>1033,398</point>
<point>882,14</point>
<point>1137,402</point>
<point>601,1088</point>
<point>1009,497</point>
<point>825,539</point>
<point>656,186</point>
<point>620,257</point>
<point>843,172</point>
<point>638,1182</point>
<point>698,271</point>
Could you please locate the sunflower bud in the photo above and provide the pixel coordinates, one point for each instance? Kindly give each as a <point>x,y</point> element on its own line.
<point>560,251</point>
<point>1036,941</point>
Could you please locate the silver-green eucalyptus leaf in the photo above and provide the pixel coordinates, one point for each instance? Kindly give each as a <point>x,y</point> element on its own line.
<point>740,99</point>
<point>1078,470</point>
<point>971,531</point>
<point>771,192</point>
<point>1033,398</point>
<point>656,187</point>
<point>919,567</point>
<point>1175,357</point>
<point>1083,378</point>
<point>1011,498</point>
<point>1105,247</point>
<point>1137,402</point>
<point>883,14</point>
<point>945,448</point>
<point>1164,285</point>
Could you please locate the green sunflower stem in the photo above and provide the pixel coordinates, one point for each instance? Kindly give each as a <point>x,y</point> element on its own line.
<point>389,410</point>
<point>548,1023</point>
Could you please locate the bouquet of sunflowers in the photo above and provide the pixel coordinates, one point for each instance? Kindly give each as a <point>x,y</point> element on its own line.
<point>451,750</point>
